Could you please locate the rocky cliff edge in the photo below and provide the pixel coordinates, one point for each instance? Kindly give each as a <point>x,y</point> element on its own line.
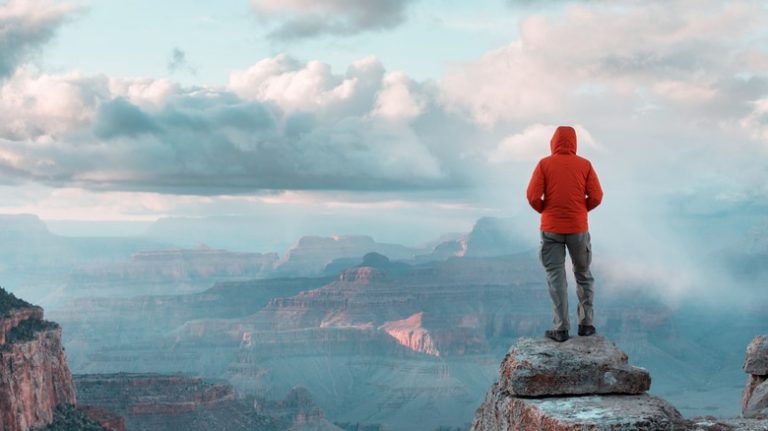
<point>34,376</point>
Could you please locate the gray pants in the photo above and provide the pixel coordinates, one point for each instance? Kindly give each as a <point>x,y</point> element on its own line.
<point>552,256</point>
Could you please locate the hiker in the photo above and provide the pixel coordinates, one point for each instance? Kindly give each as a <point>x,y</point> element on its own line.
<point>563,188</point>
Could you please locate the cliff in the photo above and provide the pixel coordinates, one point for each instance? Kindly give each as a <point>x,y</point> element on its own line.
<point>34,376</point>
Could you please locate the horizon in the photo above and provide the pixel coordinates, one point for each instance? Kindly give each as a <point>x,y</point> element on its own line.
<point>330,123</point>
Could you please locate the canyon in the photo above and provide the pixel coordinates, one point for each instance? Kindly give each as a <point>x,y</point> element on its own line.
<point>376,339</point>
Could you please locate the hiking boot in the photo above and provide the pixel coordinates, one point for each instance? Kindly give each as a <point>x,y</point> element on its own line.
<point>586,330</point>
<point>558,336</point>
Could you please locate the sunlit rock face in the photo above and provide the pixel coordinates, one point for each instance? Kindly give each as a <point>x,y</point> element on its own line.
<point>754,402</point>
<point>34,376</point>
<point>538,377</point>
<point>410,333</point>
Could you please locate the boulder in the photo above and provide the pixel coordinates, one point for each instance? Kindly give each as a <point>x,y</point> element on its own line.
<point>756,361</point>
<point>579,366</point>
<point>709,423</point>
<point>753,382</point>
<point>503,412</point>
<point>757,406</point>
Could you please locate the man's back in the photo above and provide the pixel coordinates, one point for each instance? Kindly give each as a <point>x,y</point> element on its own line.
<point>564,186</point>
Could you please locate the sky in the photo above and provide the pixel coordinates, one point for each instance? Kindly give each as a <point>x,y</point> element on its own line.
<point>433,111</point>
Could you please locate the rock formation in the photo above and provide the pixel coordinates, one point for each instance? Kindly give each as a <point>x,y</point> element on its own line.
<point>754,402</point>
<point>105,418</point>
<point>67,417</point>
<point>313,253</point>
<point>168,271</point>
<point>410,333</point>
<point>490,236</point>
<point>177,402</point>
<point>34,376</point>
<point>584,383</point>
<point>583,366</point>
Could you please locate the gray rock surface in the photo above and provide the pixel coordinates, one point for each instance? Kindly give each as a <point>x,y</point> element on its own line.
<point>580,366</point>
<point>753,382</point>
<point>717,424</point>
<point>503,412</point>
<point>757,407</point>
<point>756,361</point>
<point>582,384</point>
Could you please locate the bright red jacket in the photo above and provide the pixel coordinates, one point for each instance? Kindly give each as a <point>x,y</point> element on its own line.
<point>564,186</point>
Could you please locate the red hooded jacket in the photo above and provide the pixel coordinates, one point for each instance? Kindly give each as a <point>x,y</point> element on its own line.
<point>564,186</point>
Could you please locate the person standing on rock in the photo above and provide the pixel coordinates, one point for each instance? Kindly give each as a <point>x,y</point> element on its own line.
<point>563,188</point>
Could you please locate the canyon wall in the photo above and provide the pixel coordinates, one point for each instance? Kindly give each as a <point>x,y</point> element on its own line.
<point>34,376</point>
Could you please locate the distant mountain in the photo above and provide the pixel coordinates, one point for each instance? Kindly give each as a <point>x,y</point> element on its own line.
<point>490,236</point>
<point>39,261</point>
<point>312,254</point>
<point>168,271</point>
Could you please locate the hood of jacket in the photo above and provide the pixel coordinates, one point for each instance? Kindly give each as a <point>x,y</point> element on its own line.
<point>563,141</point>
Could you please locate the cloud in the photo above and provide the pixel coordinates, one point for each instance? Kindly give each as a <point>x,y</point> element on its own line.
<point>301,19</point>
<point>26,25</point>
<point>644,53</point>
<point>645,82</point>
<point>280,124</point>
<point>756,122</point>
<point>398,99</point>
<point>39,106</point>
<point>178,62</point>
<point>532,144</point>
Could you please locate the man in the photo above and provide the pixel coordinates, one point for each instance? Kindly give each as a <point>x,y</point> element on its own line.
<point>563,188</point>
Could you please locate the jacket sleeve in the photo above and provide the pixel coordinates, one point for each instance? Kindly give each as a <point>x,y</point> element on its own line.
<point>536,189</point>
<point>594,192</point>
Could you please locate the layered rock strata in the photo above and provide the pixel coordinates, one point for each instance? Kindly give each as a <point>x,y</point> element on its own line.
<point>152,402</point>
<point>754,402</point>
<point>584,383</point>
<point>34,376</point>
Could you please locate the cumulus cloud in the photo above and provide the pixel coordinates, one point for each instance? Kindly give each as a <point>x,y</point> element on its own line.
<point>532,143</point>
<point>642,82</point>
<point>280,124</point>
<point>398,99</point>
<point>646,52</point>
<point>25,25</point>
<point>37,106</point>
<point>299,19</point>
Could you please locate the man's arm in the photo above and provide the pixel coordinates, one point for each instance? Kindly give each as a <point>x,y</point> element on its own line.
<point>594,191</point>
<point>536,189</point>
